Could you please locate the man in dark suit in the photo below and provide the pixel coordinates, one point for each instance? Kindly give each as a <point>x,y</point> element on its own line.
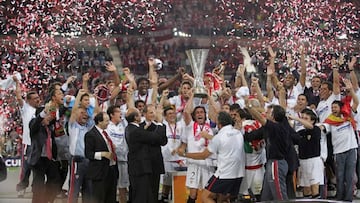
<point>144,158</point>
<point>102,171</point>
<point>44,129</point>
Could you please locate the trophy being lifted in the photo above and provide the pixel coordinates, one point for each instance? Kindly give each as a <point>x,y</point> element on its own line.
<point>197,58</point>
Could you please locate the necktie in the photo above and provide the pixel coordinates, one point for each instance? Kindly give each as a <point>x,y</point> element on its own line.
<point>110,143</point>
<point>316,93</point>
<point>48,145</point>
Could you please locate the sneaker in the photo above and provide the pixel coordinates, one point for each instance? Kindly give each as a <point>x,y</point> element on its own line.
<point>357,195</point>
<point>62,194</point>
<point>21,193</point>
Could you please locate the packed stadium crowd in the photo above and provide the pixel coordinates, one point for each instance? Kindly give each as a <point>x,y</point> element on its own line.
<point>199,133</point>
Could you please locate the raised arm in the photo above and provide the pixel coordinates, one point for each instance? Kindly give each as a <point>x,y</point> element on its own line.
<point>178,76</point>
<point>18,92</point>
<point>130,98</point>
<point>152,71</point>
<point>189,108</point>
<point>154,85</point>
<point>305,123</point>
<point>242,76</point>
<point>259,94</point>
<point>353,77</point>
<point>336,75</point>
<point>282,95</point>
<point>111,68</point>
<point>75,108</point>
<point>269,85</point>
<point>350,88</point>
<point>85,82</point>
<point>238,77</point>
<point>272,54</point>
<point>256,115</point>
<point>164,101</point>
<point>213,109</point>
<point>302,67</point>
<point>65,86</point>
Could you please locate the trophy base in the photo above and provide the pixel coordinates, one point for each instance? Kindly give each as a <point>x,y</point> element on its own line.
<point>200,95</point>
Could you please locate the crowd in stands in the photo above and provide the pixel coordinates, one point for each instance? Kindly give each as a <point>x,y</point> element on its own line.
<point>297,91</point>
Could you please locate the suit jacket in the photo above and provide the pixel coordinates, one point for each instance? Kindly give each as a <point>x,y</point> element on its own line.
<point>94,142</point>
<point>144,155</point>
<point>38,135</point>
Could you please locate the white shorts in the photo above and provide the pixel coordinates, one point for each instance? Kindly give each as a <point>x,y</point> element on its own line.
<point>197,176</point>
<point>123,181</point>
<point>254,180</point>
<point>311,172</point>
<point>170,166</point>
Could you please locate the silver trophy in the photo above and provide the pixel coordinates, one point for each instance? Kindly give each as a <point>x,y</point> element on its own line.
<point>197,58</point>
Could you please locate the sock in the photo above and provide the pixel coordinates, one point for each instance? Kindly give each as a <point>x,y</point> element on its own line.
<point>164,198</point>
<point>317,196</point>
<point>307,196</point>
<point>190,200</point>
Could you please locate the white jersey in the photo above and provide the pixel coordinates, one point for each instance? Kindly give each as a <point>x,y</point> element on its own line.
<point>228,145</point>
<point>173,133</point>
<point>254,150</point>
<point>180,103</point>
<point>295,124</point>
<point>324,107</point>
<point>343,137</point>
<point>196,143</point>
<point>146,98</point>
<point>293,94</point>
<point>27,113</point>
<point>117,136</point>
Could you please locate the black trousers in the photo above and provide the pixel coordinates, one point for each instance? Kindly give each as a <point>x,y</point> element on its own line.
<point>104,190</point>
<point>45,191</point>
<point>144,188</point>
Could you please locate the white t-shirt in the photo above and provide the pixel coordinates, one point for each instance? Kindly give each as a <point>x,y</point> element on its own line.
<point>357,116</point>
<point>228,144</point>
<point>27,113</point>
<point>117,136</point>
<point>173,134</point>
<point>196,143</point>
<point>342,137</point>
<point>324,107</point>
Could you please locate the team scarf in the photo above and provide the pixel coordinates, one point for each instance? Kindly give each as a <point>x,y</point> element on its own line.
<point>206,126</point>
<point>337,121</point>
<point>345,112</point>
